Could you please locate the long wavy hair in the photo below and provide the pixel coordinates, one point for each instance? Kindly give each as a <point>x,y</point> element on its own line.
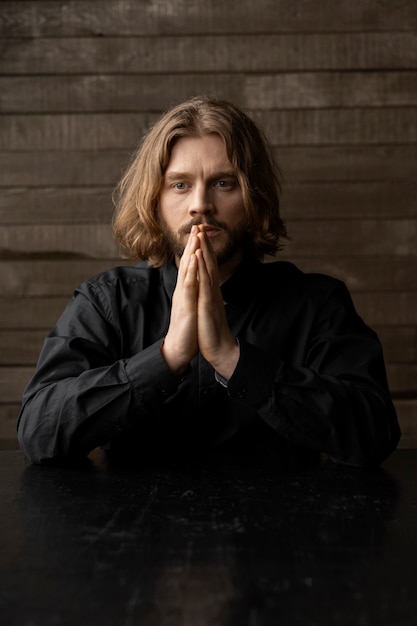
<point>135,221</point>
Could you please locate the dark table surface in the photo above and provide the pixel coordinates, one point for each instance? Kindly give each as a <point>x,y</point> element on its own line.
<point>208,543</point>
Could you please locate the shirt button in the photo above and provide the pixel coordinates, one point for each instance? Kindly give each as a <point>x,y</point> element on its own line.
<point>241,394</point>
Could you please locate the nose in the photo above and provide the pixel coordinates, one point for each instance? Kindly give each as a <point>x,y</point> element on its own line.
<point>201,201</point>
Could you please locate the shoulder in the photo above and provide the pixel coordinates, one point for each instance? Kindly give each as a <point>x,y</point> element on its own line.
<point>121,283</point>
<point>288,273</point>
<point>115,298</point>
<point>121,275</point>
<point>291,281</point>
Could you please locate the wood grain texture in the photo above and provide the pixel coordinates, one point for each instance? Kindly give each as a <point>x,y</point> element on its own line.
<point>31,277</point>
<point>209,53</point>
<point>305,164</point>
<point>123,131</point>
<point>291,90</point>
<point>331,200</point>
<point>333,85</point>
<point>77,18</point>
<point>211,542</point>
<point>22,346</point>
<point>343,237</point>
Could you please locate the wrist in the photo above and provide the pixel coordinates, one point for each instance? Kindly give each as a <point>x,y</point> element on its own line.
<point>226,365</point>
<point>174,364</point>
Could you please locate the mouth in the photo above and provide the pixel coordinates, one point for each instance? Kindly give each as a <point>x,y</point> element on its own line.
<point>211,231</point>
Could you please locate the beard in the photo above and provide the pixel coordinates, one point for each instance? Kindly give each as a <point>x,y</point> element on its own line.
<point>236,238</point>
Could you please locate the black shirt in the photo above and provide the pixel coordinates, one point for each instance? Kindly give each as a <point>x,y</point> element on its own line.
<point>310,375</point>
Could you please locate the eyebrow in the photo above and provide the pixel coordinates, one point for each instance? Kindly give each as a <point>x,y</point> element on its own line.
<point>215,176</point>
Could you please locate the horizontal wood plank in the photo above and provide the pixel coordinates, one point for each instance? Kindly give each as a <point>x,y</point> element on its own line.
<point>330,89</point>
<point>333,85</point>
<point>299,165</point>
<point>399,343</point>
<point>383,273</point>
<point>351,237</point>
<point>56,205</point>
<point>93,131</point>
<point>309,201</point>
<point>36,312</point>
<point>22,347</point>
<point>365,238</point>
<point>339,126</point>
<point>383,309</point>
<point>115,131</point>
<point>201,53</point>
<point>53,168</point>
<point>407,417</point>
<point>292,90</point>
<point>355,200</point>
<point>379,309</point>
<point>58,240</point>
<point>75,18</point>
<point>13,381</point>
<point>8,425</point>
<point>401,377</point>
<point>48,278</point>
<point>348,163</point>
<point>43,278</point>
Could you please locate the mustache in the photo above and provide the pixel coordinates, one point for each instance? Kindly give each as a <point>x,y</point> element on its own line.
<point>196,222</point>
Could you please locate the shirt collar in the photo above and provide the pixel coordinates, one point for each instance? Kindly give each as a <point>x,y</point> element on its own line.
<point>169,277</point>
<point>240,289</point>
<point>235,289</point>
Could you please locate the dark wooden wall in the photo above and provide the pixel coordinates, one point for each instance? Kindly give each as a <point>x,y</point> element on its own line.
<point>334,84</point>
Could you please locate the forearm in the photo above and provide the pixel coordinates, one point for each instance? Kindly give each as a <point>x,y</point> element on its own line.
<point>72,415</point>
<point>350,419</point>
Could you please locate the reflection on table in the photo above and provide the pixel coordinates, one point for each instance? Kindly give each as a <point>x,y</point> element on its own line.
<point>213,542</point>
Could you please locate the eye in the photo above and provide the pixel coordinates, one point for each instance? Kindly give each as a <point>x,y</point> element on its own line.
<point>179,186</point>
<point>225,183</point>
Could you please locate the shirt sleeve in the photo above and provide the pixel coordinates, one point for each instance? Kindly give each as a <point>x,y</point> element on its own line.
<point>82,393</point>
<point>337,400</point>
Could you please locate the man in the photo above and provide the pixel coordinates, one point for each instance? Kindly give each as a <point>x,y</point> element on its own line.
<point>201,345</point>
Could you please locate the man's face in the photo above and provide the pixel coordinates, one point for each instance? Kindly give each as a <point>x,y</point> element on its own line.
<point>200,187</point>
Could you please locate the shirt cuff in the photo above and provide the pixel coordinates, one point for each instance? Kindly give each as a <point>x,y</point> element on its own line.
<point>220,379</point>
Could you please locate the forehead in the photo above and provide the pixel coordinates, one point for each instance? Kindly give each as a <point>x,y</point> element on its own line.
<point>197,151</point>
